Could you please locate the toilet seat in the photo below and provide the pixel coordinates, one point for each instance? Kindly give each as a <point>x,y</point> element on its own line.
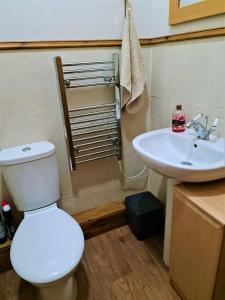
<point>47,246</point>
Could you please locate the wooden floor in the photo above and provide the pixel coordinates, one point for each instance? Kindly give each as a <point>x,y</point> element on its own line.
<point>114,266</point>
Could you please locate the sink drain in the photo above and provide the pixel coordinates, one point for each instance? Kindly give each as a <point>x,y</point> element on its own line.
<point>186,163</point>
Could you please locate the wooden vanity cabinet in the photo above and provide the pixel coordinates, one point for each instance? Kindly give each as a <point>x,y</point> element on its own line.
<point>197,256</point>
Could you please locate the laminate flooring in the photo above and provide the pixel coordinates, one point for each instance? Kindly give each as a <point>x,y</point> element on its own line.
<point>115,266</point>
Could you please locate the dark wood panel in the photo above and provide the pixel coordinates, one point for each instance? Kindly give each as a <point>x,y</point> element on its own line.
<point>5,263</point>
<point>102,219</point>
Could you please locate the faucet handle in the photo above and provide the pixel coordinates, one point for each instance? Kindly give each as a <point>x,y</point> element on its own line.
<point>198,117</point>
<point>212,129</point>
<point>194,119</point>
<point>215,123</point>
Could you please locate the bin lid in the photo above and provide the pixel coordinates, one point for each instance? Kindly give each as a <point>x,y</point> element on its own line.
<point>143,203</point>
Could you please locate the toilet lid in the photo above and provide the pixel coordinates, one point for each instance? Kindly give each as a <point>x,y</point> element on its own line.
<point>47,246</point>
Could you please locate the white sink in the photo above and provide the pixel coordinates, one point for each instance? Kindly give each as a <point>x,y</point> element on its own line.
<point>181,156</point>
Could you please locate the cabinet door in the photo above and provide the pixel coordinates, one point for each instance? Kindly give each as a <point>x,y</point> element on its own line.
<point>195,249</point>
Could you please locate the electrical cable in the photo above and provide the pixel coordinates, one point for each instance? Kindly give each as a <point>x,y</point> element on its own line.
<point>131,177</point>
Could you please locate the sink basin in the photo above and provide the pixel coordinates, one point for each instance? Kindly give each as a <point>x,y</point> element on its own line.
<point>181,156</point>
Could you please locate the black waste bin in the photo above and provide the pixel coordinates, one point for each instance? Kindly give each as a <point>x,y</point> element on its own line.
<point>145,215</point>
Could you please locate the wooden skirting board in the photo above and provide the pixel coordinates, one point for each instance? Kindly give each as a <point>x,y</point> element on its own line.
<point>102,219</point>
<point>93,222</point>
<point>208,33</point>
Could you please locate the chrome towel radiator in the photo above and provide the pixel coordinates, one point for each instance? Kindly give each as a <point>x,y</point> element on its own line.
<point>93,132</point>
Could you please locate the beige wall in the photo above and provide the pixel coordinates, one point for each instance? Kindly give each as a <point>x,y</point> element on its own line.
<point>30,111</point>
<point>190,73</point>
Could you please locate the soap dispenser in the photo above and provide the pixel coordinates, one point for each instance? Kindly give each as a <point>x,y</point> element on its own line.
<point>178,120</point>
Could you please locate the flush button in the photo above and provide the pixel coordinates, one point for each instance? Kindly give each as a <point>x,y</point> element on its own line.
<point>26,149</point>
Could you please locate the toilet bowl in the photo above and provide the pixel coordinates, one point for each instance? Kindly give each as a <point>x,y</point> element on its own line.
<point>48,243</point>
<point>46,248</point>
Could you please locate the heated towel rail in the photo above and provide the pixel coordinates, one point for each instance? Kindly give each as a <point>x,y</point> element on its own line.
<point>93,132</point>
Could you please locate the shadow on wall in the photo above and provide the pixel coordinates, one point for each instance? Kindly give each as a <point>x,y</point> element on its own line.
<point>157,184</point>
<point>133,125</point>
<point>101,181</point>
<point>5,194</point>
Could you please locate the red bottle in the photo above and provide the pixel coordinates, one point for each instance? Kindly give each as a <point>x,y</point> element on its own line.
<point>178,120</point>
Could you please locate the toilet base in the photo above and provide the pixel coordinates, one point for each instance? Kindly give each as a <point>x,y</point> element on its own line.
<point>65,289</point>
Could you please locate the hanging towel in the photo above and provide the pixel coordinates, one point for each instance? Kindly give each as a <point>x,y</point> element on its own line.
<point>132,73</point>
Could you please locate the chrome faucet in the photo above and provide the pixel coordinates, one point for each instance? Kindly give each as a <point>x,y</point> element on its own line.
<point>201,131</point>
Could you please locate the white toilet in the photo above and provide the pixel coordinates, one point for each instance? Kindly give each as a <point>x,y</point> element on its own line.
<point>49,243</point>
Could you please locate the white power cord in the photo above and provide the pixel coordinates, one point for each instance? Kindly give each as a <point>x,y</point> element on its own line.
<point>131,177</point>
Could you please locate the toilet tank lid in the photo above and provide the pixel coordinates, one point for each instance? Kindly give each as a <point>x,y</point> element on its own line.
<point>26,153</point>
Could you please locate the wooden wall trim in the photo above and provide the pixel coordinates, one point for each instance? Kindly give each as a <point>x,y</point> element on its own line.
<point>58,44</point>
<point>209,33</point>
